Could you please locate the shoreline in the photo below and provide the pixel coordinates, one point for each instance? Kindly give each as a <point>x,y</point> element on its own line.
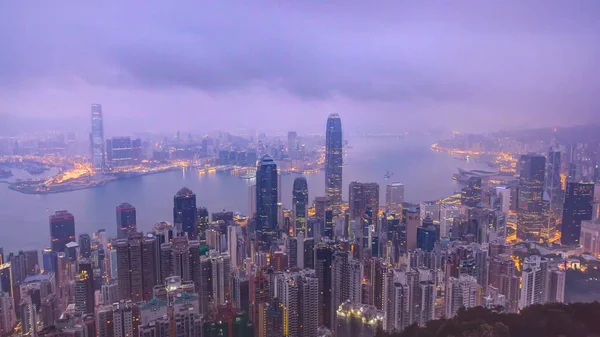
<point>55,190</point>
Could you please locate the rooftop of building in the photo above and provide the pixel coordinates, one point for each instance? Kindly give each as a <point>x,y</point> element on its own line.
<point>184,192</point>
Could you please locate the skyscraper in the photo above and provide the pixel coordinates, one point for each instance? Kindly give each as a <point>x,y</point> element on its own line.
<point>461,292</point>
<point>126,220</point>
<point>577,208</point>
<point>298,293</point>
<point>185,212</point>
<point>552,181</point>
<point>530,207</point>
<point>394,197</point>
<point>97,138</point>
<point>323,269</point>
<point>471,194</point>
<point>136,267</point>
<point>84,287</point>
<point>85,246</point>
<point>300,203</point>
<point>62,230</point>
<point>266,200</point>
<point>334,161</point>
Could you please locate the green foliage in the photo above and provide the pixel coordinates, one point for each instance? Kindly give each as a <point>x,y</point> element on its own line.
<point>548,320</point>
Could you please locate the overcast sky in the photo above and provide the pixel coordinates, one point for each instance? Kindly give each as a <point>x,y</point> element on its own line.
<point>283,65</point>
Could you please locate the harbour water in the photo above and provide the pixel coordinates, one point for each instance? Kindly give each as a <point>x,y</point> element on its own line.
<point>426,174</point>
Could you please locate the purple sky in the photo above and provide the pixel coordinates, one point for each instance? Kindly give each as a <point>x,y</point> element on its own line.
<point>282,65</point>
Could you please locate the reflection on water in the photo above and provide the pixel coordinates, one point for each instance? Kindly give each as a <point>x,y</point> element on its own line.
<point>427,175</point>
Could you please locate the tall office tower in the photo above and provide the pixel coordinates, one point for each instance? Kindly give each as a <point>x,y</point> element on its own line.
<point>266,201</point>
<point>32,262</point>
<point>136,267</point>
<point>62,230</point>
<point>471,194</point>
<point>323,269</point>
<point>358,320</point>
<point>50,261</point>
<point>120,152</point>
<point>371,192</point>
<point>334,161</point>
<point>321,205</point>
<point>292,144</point>
<point>121,319</point>
<point>180,258</point>
<point>552,184</point>
<point>447,215</point>
<point>340,279</point>
<point>462,292</point>
<point>97,138</point>
<point>84,287</point>
<point>413,221</point>
<point>300,203</point>
<point>8,318</point>
<point>394,198</point>
<point>427,235</point>
<point>126,220</point>
<point>185,212</point>
<point>356,199</point>
<point>556,286</point>
<point>470,260</point>
<point>355,278</point>
<point>534,281</point>
<point>577,208</point>
<point>530,206</point>
<point>251,200</point>
<point>85,246</point>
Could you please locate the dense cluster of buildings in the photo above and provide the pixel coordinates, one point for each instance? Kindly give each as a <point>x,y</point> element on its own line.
<point>322,268</point>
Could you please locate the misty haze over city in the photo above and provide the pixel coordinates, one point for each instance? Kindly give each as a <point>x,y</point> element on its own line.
<point>202,65</point>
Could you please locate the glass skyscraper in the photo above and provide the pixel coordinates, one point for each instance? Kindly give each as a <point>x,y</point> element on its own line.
<point>126,220</point>
<point>334,161</point>
<point>97,138</point>
<point>185,212</point>
<point>62,230</point>
<point>300,203</point>
<point>266,200</point>
<point>531,206</point>
<point>577,207</point>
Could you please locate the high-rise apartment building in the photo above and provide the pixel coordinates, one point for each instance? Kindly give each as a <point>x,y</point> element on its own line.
<point>136,267</point>
<point>119,319</point>
<point>340,279</point>
<point>531,205</point>
<point>180,257</point>
<point>185,212</point>
<point>97,138</point>
<point>126,220</point>
<point>461,292</point>
<point>298,293</point>
<point>394,198</point>
<point>266,200</point>
<point>334,161</point>
<point>534,281</point>
<point>62,230</point>
<point>577,208</point>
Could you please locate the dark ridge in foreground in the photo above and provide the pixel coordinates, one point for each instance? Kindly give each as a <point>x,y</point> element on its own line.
<point>548,320</point>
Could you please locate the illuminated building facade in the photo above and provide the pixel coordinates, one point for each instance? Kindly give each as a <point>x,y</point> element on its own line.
<point>300,203</point>
<point>120,152</point>
<point>84,288</point>
<point>266,200</point>
<point>126,220</point>
<point>185,212</point>
<point>577,208</point>
<point>358,320</point>
<point>62,230</point>
<point>136,267</point>
<point>471,194</point>
<point>323,269</point>
<point>334,161</point>
<point>394,198</point>
<point>531,206</point>
<point>97,138</point>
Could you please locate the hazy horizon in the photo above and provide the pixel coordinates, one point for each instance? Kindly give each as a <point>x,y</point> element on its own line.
<point>272,66</point>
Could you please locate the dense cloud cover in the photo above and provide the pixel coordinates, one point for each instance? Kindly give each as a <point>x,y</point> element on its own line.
<point>280,65</point>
